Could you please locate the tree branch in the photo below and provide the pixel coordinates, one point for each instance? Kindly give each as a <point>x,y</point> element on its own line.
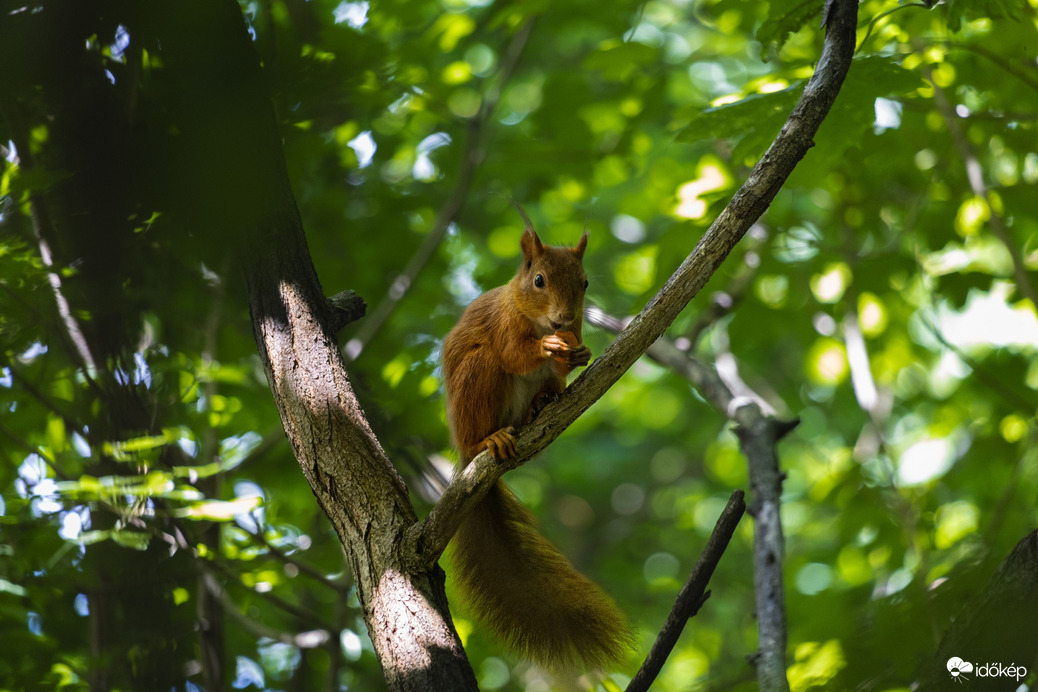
<point>305,568</point>
<point>73,335</point>
<point>353,481</point>
<point>748,204</point>
<point>758,433</point>
<point>997,625</point>
<point>758,437</point>
<point>975,176</point>
<point>693,594</point>
<point>308,639</point>
<point>703,377</point>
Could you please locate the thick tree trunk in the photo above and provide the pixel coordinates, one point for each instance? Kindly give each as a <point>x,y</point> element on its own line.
<point>207,48</point>
<point>365,499</point>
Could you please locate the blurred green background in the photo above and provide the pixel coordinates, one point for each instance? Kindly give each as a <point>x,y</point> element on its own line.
<point>886,300</point>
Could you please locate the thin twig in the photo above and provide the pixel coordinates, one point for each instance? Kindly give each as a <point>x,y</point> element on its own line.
<point>471,158</point>
<point>723,302</point>
<point>692,595</point>
<point>43,399</point>
<point>303,567</point>
<point>881,15</point>
<point>209,566</point>
<point>309,639</point>
<point>704,378</point>
<point>41,226</point>
<point>1020,72</point>
<point>975,176</point>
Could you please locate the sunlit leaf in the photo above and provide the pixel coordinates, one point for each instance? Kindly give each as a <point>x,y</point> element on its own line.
<point>757,117</point>
<point>221,510</point>
<point>784,18</point>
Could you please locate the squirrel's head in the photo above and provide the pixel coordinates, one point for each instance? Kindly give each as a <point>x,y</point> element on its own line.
<point>551,282</point>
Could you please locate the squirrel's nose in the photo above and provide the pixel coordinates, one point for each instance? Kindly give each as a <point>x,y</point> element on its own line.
<point>563,319</point>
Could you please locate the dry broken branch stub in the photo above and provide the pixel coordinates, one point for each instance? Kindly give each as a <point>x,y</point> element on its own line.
<point>346,307</point>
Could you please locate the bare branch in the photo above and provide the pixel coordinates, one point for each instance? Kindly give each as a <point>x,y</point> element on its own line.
<point>703,377</point>
<point>975,175</point>
<point>758,437</point>
<point>470,160</point>
<point>298,612</point>
<point>759,433</point>
<point>346,307</point>
<point>693,594</point>
<point>304,640</point>
<point>305,568</point>
<point>748,204</point>
<point>73,335</point>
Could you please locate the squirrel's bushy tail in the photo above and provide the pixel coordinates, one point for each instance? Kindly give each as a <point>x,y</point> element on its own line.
<point>525,590</point>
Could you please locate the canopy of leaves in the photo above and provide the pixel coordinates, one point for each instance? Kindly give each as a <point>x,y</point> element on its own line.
<point>152,515</point>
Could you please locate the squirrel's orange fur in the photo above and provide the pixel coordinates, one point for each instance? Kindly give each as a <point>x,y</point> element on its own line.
<point>511,350</point>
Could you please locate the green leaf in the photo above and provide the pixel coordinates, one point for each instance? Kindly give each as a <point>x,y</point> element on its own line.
<point>11,588</point>
<point>91,537</point>
<point>131,539</point>
<point>128,450</point>
<point>880,76</point>
<point>221,510</point>
<point>786,17</point>
<point>617,62</point>
<point>968,10</point>
<point>851,119</point>
<point>750,123</point>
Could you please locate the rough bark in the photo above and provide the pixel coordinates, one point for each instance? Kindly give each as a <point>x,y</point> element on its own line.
<point>403,599</point>
<point>758,438</point>
<point>405,610</point>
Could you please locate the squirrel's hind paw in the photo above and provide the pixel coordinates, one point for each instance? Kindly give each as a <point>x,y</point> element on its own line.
<point>501,444</point>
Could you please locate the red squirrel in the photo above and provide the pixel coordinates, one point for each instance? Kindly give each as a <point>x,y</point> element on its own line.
<point>510,352</point>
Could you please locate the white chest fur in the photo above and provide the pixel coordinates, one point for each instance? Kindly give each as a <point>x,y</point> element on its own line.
<point>524,389</point>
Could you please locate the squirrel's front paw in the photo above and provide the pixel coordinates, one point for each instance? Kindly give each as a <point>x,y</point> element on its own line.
<point>566,349</point>
<point>501,444</point>
<point>579,356</point>
<point>554,346</point>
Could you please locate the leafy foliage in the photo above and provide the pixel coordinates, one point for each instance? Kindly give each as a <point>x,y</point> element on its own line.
<point>150,506</point>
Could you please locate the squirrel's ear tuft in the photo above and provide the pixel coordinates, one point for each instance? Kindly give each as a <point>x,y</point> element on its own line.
<point>581,246</point>
<point>527,224</point>
<point>530,244</point>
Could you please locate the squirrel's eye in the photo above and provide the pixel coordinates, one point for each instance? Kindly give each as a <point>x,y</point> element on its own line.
<point>585,284</point>
<point>538,281</point>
